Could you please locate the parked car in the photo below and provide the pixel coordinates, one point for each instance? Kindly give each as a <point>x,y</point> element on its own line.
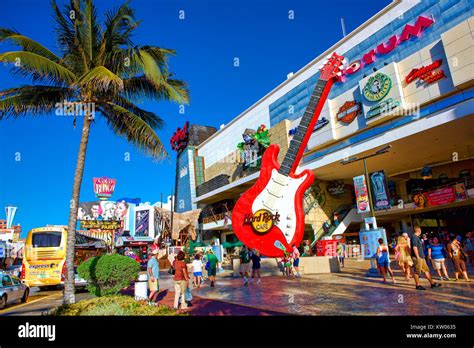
<point>11,290</point>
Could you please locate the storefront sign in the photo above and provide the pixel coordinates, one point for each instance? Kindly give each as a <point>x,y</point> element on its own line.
<point>393,42</point>
<point>320,124</point>
<point>349,111</point>
<point>106,235</point>
<point>384,107</point>
<point>262,220</point>
<point>377,87</point>
<point>427,74</point>
<point>101,224</point>
<point>362,198</point>
<point>441,196</point>
<point>180,138</point>
<point>104,187</point>
<point>326,248</point>
<point>380,193</point>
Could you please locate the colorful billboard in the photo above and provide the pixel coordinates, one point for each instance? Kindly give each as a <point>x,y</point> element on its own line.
<point>326,248</point>
<point>142,223</point>
<point>104,187</point>
<point>103,210</point>
<point>101,224</point>
<point>106,235</point>
<point>362,197</point>
<point>380,193</point>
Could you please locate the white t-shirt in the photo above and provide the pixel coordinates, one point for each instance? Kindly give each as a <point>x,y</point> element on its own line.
<point>197,266</point>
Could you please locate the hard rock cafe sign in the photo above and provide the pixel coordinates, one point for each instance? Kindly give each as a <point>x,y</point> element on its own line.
<point>377,87</point>
<point>262,220</point>
<point>349,111</point>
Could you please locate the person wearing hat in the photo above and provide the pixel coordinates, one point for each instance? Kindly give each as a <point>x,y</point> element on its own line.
<point>153,272</point>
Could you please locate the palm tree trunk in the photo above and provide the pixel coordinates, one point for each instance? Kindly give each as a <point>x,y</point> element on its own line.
<point>69,289</point>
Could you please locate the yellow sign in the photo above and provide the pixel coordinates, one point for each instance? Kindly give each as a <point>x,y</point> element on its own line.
<point>262,220</point>
<point>99,224</point>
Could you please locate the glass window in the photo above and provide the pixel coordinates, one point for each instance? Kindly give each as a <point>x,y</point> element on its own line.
<point>15,281</point>
<point>46,239</point>
<point>6,281</point>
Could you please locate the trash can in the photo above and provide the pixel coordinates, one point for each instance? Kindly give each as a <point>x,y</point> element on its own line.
<point>141,287</point>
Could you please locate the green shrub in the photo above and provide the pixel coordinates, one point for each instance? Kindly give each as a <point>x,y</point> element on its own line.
<point>108,274</point>
<point>113,305</point>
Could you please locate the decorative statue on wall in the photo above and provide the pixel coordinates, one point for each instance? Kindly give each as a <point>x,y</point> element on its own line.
<point>253,146</point>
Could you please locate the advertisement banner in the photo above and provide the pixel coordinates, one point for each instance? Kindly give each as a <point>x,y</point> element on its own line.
<point>441,196</point>
<point>326,248</point>
<point>104,187</point>
<point>369,239</point>
<point>380,193</point>
<point>142,223</point>
<point>101,224</point>
<point>362,198</point>
<point>103,210</point>
<point>106,235</point>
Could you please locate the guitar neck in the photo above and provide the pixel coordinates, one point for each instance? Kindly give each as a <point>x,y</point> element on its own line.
<point>306,126</point>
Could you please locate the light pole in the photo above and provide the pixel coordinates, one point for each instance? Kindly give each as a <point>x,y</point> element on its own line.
<point>373,270</point>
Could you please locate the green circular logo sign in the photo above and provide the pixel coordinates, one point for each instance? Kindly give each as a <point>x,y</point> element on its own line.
<point>377,87</point>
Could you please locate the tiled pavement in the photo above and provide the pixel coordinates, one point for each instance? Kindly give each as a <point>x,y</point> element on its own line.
<point>346,293</point>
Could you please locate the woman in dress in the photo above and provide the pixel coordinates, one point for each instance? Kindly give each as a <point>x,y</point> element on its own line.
<point>403,255</point>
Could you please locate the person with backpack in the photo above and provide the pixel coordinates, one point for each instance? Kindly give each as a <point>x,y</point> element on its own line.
<point>245,264</point>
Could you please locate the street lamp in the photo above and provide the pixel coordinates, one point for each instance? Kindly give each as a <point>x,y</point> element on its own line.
<point>373,270</point>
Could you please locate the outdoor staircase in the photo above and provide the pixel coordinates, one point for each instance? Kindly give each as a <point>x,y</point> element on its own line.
<point>350,217</point>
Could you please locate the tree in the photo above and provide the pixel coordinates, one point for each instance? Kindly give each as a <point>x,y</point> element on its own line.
<point>99,70</point>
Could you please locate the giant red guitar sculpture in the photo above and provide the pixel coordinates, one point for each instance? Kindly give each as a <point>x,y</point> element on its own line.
<point>270,216</point>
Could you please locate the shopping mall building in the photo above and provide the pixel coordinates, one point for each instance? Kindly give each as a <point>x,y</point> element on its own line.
<point>409,84</point>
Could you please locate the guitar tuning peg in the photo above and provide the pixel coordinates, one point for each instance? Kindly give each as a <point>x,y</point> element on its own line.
<point>339,74</point>
<point>344,61</point>
<point>321,67</point>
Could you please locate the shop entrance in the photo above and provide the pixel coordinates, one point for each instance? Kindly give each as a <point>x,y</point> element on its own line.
<point>454,220</point>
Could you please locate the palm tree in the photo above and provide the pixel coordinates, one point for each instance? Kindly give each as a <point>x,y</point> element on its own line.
<point>99,70</point>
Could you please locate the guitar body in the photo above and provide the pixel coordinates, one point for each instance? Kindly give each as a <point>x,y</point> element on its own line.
<point>280,196</point>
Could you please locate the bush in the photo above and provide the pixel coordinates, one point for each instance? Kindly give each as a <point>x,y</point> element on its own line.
<point>113,305</point>
<point>108,274</point>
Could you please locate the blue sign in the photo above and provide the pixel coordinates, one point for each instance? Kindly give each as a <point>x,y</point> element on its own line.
<point>369,239</point>
<point>380,193</point>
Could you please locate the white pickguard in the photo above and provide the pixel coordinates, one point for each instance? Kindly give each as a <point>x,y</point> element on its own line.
<point>279,196</point>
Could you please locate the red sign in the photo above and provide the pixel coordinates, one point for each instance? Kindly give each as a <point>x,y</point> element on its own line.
<point>393,42</point>
<point>326,248</point>
<point>104,187</point>
<point>427,74</point>
<point>441,196</point>
<point>349,111</point>
<point>179,140</point>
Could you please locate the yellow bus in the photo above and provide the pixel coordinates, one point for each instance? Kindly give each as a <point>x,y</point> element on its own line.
<point>44,261</point>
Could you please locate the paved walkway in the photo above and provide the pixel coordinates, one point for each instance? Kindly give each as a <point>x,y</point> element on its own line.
<point>346,293</point>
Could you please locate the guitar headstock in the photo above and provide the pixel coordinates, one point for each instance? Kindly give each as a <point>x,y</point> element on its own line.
<point>333,67</point>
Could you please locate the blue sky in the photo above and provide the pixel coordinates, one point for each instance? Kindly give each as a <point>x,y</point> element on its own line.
<point>268,44</point>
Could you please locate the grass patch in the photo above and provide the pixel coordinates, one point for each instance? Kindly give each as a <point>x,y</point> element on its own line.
<point>113,306</point>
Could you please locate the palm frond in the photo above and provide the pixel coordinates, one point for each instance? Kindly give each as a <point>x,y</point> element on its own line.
<point>102,79</point>
<point>26,43</point>
<point>38,67</point>
<point>32,100</point>
<point>139,87</point>
<point>153,120</point>
<point>134,129</point>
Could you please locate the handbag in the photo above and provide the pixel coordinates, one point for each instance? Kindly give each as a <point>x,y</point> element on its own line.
<point>188,296</point>
<point>208,266</point>
<point>172,271</point>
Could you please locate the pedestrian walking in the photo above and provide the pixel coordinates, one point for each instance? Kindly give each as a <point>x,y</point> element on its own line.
<point>469,246</point>
<point>286,261</point>
<point>296,260</point>
<point>419,263</point>
<point>211,266</point>
<point>402,255</point>
<point>383,261</point>
<point>153,272</point>
<point>340,250</point>
<point>457,255</point>
<point>436,252</point>
<point>245,264</point>
<point>256,266</point>
<point>181,278</point>
<point>197,271</point>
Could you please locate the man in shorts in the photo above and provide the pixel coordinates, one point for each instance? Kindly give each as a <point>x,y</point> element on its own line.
<point>211,265</point>
<point>245,264</point>
<point>153,272</point>
<point>419,262</point>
